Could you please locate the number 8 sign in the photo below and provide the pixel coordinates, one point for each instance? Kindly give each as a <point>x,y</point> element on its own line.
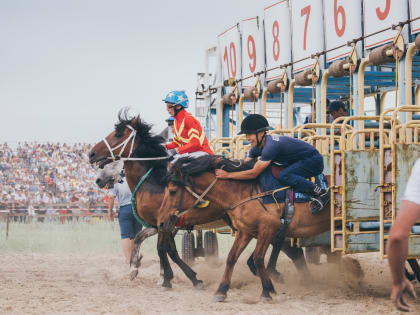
<point>308,32</point>
<point>229,48</point>
<point>277,37</point>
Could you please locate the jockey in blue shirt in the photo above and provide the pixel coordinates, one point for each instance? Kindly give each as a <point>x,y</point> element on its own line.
<point>300,159</point>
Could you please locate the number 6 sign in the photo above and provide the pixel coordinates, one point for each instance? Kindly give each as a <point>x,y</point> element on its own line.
<point>229,48</point>
<point>307,34</point>
<point>380,14</point>
<point>343,23</point>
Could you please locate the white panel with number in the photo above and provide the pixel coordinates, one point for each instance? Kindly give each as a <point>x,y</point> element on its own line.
<point>415,12</point>
<point>252,50</point>
<point>380,14</point>
<point>343,23</point>
<point>230,53</point>
<point>307,37</point>
<point>277,37</point>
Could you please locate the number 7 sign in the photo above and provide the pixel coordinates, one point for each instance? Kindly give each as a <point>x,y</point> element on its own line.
<point>307,36</point>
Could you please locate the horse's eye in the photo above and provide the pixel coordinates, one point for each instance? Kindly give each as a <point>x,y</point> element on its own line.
<point>172,192</point>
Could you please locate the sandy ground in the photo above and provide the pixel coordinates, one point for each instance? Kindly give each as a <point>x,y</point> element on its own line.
<point>77,283</point>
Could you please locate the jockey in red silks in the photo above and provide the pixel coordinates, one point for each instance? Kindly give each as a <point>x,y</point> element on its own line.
<point>189,137</point>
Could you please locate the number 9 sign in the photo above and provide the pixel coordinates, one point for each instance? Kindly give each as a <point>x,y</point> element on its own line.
<point>252,50</point>
<point>229,48</point>
<point>380,14</point>
<point>308,32</point>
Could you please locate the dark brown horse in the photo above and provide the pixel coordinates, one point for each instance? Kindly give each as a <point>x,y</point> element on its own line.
<point>143,145</point>
<point>251,219</point>
<point>133,141</point>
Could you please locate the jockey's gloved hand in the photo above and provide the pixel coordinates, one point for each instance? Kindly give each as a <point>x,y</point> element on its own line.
<point>172,152</point>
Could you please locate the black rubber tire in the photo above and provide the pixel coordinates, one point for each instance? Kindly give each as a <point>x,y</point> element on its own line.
<point>312,255</point>
<point>188,245</point>
<point>211,245</point>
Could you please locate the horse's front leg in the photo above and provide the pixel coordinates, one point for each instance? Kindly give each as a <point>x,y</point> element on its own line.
<point>241,241</point>
<point>191,274</point>
<point>162,248</point>
<point>264,239</point>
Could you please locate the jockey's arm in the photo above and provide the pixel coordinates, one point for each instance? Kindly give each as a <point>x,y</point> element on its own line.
<point>253,173</point>
<point>171,145</point>
<point>192,146</point>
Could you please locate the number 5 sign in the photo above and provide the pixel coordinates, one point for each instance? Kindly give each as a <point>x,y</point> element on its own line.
<point>307,37</point>
<point>252,50</point>
<point>380,14</point>
<point>343,23</point>
<point>229,48</point>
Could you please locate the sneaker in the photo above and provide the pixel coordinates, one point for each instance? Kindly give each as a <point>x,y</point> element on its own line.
<point>318,202</point>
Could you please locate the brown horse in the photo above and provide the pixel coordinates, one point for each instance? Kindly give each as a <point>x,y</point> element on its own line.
<point>150,195</point>
<point>251,219</point>
<point>132,136</point>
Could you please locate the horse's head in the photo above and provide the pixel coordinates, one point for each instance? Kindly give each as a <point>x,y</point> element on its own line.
<point>185,182</point>
<point>110,174</point>
<point>131,137</point>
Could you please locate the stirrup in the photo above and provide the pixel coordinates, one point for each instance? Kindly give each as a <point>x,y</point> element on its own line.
<point>316,205</point>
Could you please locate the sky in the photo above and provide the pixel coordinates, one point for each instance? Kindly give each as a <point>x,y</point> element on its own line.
<point>68,67</point>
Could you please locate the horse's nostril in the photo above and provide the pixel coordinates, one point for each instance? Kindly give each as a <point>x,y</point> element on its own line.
<point>98,181</point>
<point>161,225</point>
<point>91,154</point>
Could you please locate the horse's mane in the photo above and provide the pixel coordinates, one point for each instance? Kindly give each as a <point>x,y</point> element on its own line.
<point>190,166</point>
<point>147,144</point>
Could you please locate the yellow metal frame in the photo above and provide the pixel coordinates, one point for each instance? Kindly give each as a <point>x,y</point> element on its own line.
<point>402,133</point>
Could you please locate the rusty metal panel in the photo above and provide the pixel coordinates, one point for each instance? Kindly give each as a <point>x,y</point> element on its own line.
<point>406,155</point>
<point>414,247</point>
<point>362,177</point>
<point>361,243</point>
<point>327,165</point>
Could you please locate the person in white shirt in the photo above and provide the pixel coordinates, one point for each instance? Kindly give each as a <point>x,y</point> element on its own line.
<point>397,246</point>
<point>129,226</point>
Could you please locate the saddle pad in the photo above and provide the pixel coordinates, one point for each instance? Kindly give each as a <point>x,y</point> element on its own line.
<point>269,182</point>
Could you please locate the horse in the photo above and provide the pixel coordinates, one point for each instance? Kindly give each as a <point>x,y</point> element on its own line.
<point>132,136</point>
<point>145,146</point>
<point>192,181</point>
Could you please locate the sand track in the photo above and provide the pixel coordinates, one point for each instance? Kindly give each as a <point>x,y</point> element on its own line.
<point>76,283</point>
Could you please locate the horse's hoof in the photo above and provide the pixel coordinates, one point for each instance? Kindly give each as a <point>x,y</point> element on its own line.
<point>276,276</point>
<point>133,274</point>
<point>219,297</point>
<point>199,285</point>
<point>166,285</point>
<point>266,299</point>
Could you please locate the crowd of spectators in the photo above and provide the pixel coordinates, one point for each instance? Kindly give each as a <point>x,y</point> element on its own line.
<point>45,177</point>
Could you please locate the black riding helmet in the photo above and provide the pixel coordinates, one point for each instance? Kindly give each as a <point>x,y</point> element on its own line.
<point>254,123</point>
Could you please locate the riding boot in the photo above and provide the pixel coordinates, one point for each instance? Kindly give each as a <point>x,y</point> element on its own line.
<point>320,197</point>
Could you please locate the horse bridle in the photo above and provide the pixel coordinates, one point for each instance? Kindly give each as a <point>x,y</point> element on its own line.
<point>123,145</point>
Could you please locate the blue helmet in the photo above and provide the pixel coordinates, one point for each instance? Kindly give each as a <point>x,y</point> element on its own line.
<point>177,98</point>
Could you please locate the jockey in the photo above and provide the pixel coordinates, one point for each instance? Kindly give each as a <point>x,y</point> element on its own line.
<point>301,160</point>
<point>189,136</point>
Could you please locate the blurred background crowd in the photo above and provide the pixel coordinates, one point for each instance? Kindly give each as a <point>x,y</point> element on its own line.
<point>48,177</point>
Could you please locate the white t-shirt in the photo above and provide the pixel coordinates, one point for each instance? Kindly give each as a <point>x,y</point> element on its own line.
<point>412,191</point>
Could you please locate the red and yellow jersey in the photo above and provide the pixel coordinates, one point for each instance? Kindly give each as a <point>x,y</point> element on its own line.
<point>188,135</point>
